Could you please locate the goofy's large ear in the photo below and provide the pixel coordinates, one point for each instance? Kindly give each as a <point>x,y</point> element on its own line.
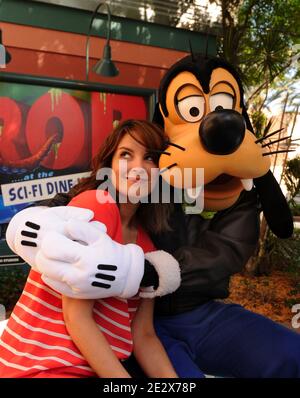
<point>274,205</point>
<point>157,117</point>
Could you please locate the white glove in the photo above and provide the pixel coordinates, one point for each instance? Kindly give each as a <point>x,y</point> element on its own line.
<point>98,267</point>
<point>28,227</point>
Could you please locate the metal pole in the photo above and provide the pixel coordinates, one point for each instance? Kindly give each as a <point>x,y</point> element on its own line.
<point>87,47</point>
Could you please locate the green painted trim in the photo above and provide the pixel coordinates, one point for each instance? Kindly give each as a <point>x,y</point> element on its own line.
<point>74,84</point>
<point>72,20</point>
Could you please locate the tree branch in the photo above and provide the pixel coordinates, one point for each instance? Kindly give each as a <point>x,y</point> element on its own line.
<point>263,85</point>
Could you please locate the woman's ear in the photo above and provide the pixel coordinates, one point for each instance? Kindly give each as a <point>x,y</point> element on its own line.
<point>157,117</point>
<point>274,205</point>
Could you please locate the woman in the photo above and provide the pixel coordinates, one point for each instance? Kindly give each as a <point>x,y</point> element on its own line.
<point>49,335</point>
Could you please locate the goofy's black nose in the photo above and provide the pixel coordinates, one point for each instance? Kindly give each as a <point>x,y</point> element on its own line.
<point>222,131</point>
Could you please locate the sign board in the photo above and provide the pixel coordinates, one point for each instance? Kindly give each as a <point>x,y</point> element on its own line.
<point>49,132</point>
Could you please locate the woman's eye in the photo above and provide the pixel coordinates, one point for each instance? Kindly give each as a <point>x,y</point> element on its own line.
<point>150,158</point>
<point>125,155</point>
<point>191,109</point>
<point>224,100</point>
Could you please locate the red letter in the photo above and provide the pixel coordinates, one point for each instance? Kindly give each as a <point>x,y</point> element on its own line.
<point>64,112</point>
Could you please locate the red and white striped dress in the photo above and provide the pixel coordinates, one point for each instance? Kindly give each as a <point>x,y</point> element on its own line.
<point>35,342</point>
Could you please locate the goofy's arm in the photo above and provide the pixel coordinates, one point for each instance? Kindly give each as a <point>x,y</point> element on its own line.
<point>28,229</point>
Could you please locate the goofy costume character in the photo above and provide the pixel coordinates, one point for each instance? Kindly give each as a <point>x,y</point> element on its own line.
<point>202,111</point>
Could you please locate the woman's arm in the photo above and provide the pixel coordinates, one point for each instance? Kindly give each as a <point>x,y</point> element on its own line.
<point>78,316</point>
<point>147,348</point>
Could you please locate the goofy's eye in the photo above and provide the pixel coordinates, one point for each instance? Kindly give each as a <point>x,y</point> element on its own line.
<point>191,109</point>
<point>223,100</point>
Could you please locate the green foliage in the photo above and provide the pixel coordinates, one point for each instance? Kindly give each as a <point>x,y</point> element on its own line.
<point>12,281</point>
<point>284,254</point>
<point>266,48</point>
<point>296,210</point>
<point>259,37</point>
<point>259,122</point>
<point>292,179</point>
<point>273,29</point>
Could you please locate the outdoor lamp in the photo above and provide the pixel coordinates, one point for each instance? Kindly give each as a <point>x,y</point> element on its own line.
<point>5,56</point>
<point>105,66</point>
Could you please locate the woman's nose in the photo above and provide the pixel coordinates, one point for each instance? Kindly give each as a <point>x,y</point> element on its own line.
<point>138,172</point>
<point>137,163</point>
<point>222,131</point>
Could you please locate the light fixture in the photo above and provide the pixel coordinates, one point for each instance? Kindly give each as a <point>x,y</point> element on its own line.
<point>5,56</point>
<point>105,66</point>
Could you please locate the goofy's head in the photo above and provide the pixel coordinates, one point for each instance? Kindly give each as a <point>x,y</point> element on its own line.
<point>202,109</point>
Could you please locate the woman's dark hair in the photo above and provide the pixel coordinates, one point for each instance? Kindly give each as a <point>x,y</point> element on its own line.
<point>152,216</point>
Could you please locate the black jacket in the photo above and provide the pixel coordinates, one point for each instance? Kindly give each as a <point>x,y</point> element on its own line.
<point>209,250</point>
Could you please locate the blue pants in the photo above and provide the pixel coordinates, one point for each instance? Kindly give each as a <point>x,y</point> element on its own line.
<point>227,340</point>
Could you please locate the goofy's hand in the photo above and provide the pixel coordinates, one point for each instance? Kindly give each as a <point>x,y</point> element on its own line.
<point>28,227</point>
<point>89,265</point>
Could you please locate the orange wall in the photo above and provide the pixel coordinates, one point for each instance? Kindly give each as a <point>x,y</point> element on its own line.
<point>58,54</point>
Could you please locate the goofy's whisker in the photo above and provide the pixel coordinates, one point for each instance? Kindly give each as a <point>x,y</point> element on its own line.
<point>175,145</point>
<point>167,168</point>
<point>267,136</point>
<point>274,142</point>
<point>283,151</point>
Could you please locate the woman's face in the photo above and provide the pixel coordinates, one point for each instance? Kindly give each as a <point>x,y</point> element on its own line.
<point>134,171</point>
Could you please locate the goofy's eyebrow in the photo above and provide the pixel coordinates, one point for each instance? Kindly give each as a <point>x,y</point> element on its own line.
<point>223,86</point>
<point>187,90</point>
